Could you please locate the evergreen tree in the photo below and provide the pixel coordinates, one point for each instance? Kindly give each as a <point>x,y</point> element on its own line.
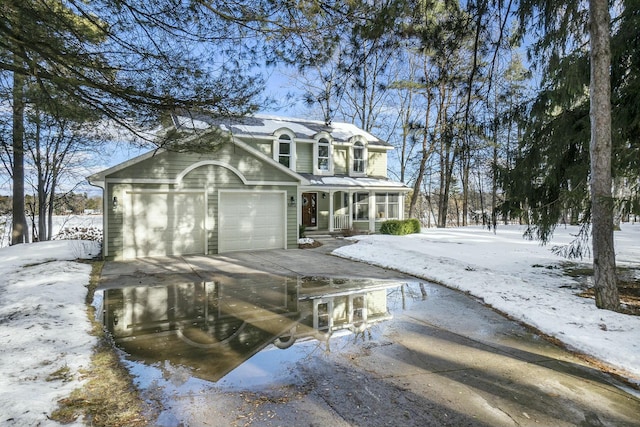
<point>625,70</point>
<point>548,182</point>
<point>568,148</point>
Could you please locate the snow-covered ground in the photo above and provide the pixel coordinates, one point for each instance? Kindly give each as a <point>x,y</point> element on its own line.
<point>44,328</point>
<point>520,278</point>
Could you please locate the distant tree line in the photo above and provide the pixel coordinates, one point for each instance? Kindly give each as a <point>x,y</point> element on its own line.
<point>64,204</point>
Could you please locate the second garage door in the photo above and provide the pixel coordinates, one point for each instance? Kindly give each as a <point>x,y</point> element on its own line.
<point>251,221</point>
<point>164,223</point>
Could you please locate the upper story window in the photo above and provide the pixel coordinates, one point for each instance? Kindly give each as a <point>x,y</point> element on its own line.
<point>359,157</point>
<point>284,150</point>
<point>323,155</point>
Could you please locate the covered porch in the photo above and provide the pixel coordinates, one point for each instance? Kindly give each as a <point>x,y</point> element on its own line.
<point>360,208</point>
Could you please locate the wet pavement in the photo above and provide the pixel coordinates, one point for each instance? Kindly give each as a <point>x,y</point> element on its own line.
<point>300,337</point>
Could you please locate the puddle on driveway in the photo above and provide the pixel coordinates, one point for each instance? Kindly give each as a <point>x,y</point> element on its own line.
<point>242,331</point>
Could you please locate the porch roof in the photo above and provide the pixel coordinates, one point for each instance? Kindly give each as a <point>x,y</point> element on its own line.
<point>343,182</point>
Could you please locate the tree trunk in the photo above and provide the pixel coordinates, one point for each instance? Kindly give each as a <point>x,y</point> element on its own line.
<point>604,263</point>
<point>427,149</point>
<point>465,161</point>
<point>20,230</point>
<point>42,192</point>
<point>448,160</point>
<point>443,195</point>
<point>42,213</point>
<point>494,180</point>
<point>50,206</point>
<point>480,191</point>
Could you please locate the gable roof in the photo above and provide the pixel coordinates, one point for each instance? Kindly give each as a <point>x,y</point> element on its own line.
<point>260,125</point>
<point>98,179</point>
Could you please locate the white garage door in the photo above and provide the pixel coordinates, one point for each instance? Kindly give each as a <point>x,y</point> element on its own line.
<point>164,223</point>
<point>251,221</point>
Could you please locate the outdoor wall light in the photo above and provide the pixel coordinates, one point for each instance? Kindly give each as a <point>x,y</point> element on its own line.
<point>115,202</point>
<point>324,195</point>
<point>292,201</point>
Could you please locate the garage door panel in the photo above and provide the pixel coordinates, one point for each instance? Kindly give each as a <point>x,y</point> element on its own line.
<point>160,224</point>
<point>251,221</point>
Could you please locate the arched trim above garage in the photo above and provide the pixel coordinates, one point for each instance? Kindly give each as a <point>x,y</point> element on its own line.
<point>182,174</point>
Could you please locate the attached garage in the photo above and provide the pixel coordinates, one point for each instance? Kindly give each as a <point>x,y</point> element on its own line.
<point>251,220</point>
<point>169,203</point>
<point>161,223</point>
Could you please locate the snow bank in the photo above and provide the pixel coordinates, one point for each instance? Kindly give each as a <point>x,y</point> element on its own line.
<point>44,328</point>
<point>520,278</point>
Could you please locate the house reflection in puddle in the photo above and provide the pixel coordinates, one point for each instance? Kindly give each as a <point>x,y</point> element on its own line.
<point>215,326</point>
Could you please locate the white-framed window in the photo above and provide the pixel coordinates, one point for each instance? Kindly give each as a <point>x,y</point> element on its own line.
<point>359,158</point>
<point>387,206</point>
<point>323,162</point>
<point>360,206</point>
<point>284,150</point>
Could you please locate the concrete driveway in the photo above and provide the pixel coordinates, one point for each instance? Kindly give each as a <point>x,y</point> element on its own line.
<point>445,359</point>
<point>296,262</point>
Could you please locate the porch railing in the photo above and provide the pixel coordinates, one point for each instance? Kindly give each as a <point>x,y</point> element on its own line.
<point>341,222</point>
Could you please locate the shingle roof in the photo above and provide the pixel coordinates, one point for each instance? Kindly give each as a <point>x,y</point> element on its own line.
<point>265,125</point>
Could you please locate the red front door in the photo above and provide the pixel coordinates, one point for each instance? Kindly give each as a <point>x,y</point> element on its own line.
<point>310,209</point>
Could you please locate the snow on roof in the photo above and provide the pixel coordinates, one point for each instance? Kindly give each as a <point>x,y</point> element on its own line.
<point>191,123</point>
<point>267,125</point>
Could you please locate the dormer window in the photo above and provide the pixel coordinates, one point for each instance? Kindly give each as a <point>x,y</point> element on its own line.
<point>323,161</point>
<point>359,157</point>
<point>284,150</point>
<point>323,155</point>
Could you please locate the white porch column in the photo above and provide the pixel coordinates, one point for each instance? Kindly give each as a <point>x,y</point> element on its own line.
<point>372,211</point>
<point>331,212</point>
<point>350,210</point>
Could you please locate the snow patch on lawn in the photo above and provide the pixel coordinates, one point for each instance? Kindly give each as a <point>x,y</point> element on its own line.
<point>520,278</point>
<point>44,328</point>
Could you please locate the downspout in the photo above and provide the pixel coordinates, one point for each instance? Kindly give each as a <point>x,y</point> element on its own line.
<point>105,206</point>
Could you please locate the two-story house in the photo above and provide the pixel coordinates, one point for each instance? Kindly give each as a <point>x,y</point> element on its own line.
<point>262,178</point>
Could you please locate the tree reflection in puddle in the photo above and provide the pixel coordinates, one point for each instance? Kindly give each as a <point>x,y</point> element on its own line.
<point>232,330</point>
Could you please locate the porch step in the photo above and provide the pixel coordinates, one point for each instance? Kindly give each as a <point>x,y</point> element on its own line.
<point>319,235</point>
<point>325,241</point>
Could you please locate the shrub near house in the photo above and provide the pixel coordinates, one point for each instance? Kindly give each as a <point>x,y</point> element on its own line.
<point>400,227</point>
